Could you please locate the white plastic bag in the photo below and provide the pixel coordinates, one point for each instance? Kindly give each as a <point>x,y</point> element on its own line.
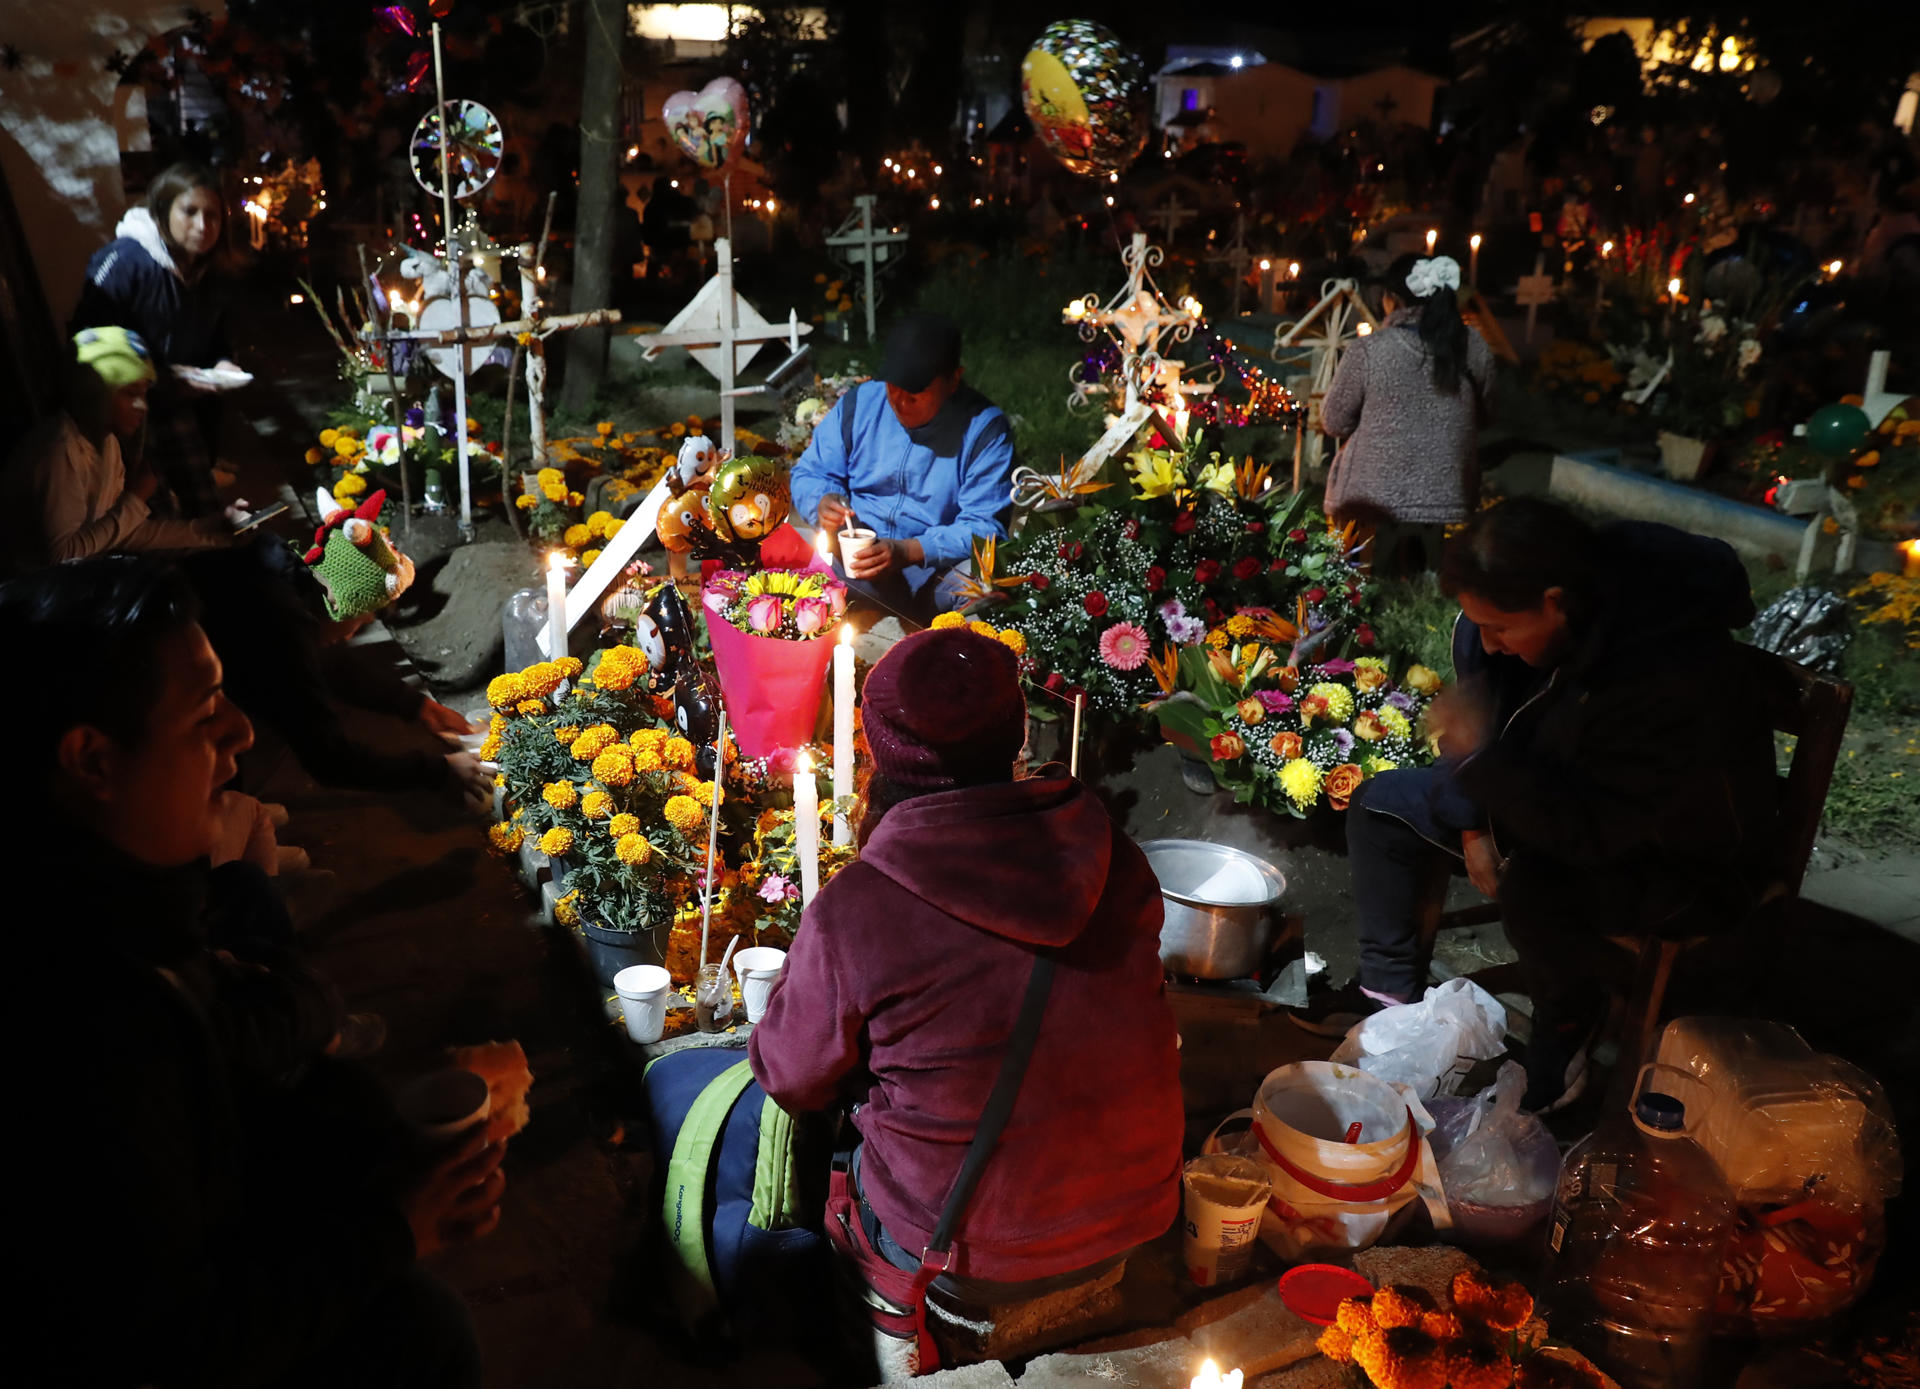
<point>1429,1046</point>
<point>1479,1146</point>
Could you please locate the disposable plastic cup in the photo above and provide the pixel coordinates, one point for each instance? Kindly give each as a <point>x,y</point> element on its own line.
<point>643,1000</point>
<point>1224,1198</point>
<point>444,1104</point>
<point>758,967</point>
<point>853,542</point>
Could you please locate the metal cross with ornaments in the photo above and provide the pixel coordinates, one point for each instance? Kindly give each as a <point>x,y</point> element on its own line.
<point>859,242</point>
<point>1237,258</point>
<point>722,332</point>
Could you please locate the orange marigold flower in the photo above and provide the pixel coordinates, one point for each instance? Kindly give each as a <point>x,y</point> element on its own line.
<point>1442,1326</point>
<point>1478,1365</point>
<point>1336,1345</point>
<point>1502,1306</point>
<point>1355,1316</point>
<point>677,754</point>
<point>1402,1357</point>
<point>614,767</point>
<point>1401,1305</point>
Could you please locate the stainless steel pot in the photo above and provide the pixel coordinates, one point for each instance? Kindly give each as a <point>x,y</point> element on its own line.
<point>1213,939</point>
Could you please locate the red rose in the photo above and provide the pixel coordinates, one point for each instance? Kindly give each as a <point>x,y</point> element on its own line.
<point>1276,566</point>
<point>1296,535</point>
<point>1074,694</point>
<point>1213,611</point>
<point>1131,530</point>
<point>1096,604</point>
<point>1072,550</point>
<point>1184,522</point>
<point>1040,582</point>
<point>1056,682</point>
<point>1316,595</point>
<point>1364,635</point>
<point>1256,528</point>
<point>1156,578</point>
<point>1245,568</point>
<point>493,449</point>
<point>1226,746</point>
<point>1207,570</point>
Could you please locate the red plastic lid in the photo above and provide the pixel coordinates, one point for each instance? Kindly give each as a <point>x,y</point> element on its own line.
<point>1314,1292</point>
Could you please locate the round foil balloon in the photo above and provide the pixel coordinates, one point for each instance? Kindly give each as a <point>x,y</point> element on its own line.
<point>708,124</point>
<point>473,154</point>
<point>1086,96</point>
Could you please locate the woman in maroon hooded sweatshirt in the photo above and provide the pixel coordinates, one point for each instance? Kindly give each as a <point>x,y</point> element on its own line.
<point>903,985</point>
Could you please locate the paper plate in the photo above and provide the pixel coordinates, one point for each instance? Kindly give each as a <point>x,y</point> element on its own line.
<point>1314,1292</point>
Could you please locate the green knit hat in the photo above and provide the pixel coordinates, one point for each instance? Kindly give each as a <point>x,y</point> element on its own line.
<point>117,355</point>
<point>355,559</point>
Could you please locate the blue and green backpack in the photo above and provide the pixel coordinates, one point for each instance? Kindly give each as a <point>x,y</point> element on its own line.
<point>741,1214</point>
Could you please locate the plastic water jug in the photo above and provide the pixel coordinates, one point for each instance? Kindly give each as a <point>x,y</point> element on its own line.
<point>1641,1221</point>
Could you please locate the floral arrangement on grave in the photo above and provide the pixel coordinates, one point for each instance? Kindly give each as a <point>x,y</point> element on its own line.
<point>766,627</point>
<point>796,430</point>
<point>1106,593</point>
<point>1486,1337</point>
<point>356,452</point>
<point>771,875</point>
<point>1292,738</point>
<point>793,604</point>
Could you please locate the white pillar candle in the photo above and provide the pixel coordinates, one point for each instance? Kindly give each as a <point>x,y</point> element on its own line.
<point>806,827</point>
<point>1073,757</point>
<point>1473,261</point>
<point>842,735</point>
<point>556,605</point>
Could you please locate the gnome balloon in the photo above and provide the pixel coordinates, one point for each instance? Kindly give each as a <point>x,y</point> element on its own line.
<point>709,124</point>
<point>1086,96</point>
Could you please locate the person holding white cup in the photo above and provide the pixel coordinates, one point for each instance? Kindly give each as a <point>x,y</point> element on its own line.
<point>908,471</point>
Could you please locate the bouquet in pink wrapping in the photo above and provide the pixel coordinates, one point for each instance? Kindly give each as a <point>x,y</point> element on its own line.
<point>771,632</point>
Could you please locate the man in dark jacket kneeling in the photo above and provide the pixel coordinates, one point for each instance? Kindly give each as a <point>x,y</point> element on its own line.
<point>1604,771</point>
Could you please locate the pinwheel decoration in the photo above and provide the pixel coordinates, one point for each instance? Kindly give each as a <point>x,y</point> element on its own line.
<point>473,149</point>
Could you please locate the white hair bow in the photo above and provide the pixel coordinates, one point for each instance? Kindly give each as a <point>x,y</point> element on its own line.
<point>1436,272</point>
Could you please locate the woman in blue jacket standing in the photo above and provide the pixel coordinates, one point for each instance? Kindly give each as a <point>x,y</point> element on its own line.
<point>157,278</point>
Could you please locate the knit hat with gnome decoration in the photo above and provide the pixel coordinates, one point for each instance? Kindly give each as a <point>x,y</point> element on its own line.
<point>355,560</point>
<point>943,709</point>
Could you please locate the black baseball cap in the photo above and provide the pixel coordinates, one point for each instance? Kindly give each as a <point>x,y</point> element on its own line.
<point>921,347</point>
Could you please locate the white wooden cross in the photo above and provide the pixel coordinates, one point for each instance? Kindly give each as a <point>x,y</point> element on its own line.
<point>1341,316</point>
<point>1172,215</point>
<point>867,246</point>
<point>1236,257</point>
<point>1534,290</point>
<point>722,332</point>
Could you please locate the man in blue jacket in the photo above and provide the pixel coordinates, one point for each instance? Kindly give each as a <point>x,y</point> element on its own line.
<point>919,458</point>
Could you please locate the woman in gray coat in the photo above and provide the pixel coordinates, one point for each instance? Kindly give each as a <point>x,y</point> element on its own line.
<point>1407,404</point>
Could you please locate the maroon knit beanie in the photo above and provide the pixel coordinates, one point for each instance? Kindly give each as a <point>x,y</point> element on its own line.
<point>944,709</point>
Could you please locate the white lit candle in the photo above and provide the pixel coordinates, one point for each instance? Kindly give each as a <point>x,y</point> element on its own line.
<point>1473,261</point>
<point>823,546</point>
<point>842,735</point>
<point>556,605</point>
<point>1210,1377</point>
<point>1073,755</point>
<point>1433,235</point>
<point>806,827</point>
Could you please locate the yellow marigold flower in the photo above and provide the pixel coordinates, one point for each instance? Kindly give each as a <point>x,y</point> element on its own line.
<point>646,759</point>
<point>575,536</point>
<point>505,837</point>
<point>566,733</point>
<point>554,491</point>
<point>1300,779</point>
<point>684,814</point>
<point>1239,625</point>
<point>343,445</point>
<point>526,502</point>
<point>1401,1306</point>
<point>677,754</point>
<point>546,475</point>
<point>561,795</point>
<point>594,741</point>
<point>1218,637</point>
<point>568,667</point>
<point>613,526</point>
<point>604,428</point>
<point>587,557</point>
<point>1013,641</point>
<point>985,629</point>
<point>490,748</point>
<point>1339,700</point>
<point>597,524</point>
<point>566,911</point>
<point>614,767</point>
<point>633,850</point>
<point>531,707</point>
<point>1354,1316</point>
<point>623,824</point>
<point>350,485</point>
<point>1336,1345</point>
<point>701,791</point>
<point>575,498</point>
<point>315,456</point>
<point>327,436</point>
<point>596,805</point>
<point>499,778</point>
<point>557,842</point>
<point>619,667</point>
<point>645,738</point>
<point>946,620</point>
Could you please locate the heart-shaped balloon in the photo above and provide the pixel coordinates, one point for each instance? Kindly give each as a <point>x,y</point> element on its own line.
<point>710,123</point>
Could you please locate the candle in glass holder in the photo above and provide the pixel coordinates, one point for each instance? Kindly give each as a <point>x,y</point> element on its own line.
<point>806,827</point>
<point>843,735</point>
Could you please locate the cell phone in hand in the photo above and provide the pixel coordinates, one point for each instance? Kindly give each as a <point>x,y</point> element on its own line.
<point>257,517</point>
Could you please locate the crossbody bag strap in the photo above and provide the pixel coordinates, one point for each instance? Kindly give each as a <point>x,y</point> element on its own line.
<point>1006,1089</point>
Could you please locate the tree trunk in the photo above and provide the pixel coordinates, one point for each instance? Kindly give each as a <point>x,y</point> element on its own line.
<point>593,232</point>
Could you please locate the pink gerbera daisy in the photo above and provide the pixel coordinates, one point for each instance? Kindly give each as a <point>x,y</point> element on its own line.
<point>1124,646</point>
